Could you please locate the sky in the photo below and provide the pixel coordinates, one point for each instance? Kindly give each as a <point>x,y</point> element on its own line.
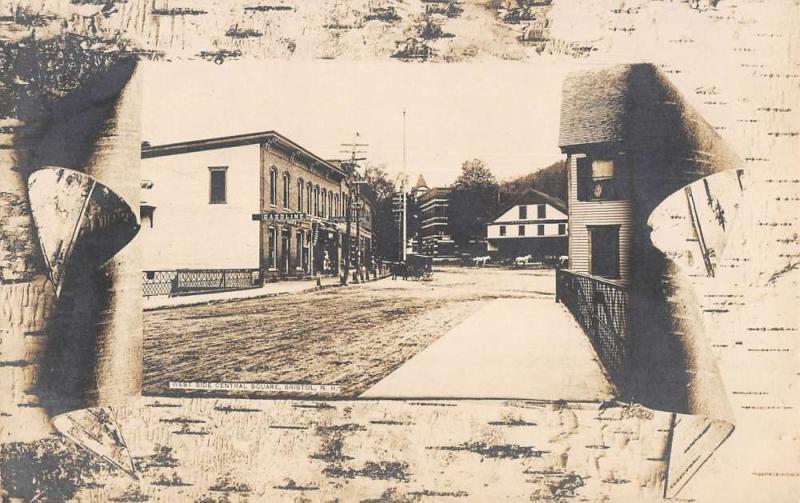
<point>503,113</point>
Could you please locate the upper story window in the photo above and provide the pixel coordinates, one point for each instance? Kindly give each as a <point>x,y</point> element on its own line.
<point>286,181</point>
<point>540,230</point>
<point>502,230</point>
<point>146,214</point>
<point>330,204</point>
<point>316,200</point>
<point>523,212</point>
<point>521,230</point>
<point>309,198</point>
<point>598,179</point>
<point>324,205</point>
<point>273,186</point>
<point>562,229</point>
<point>218,181</point>
<point>300,189</point>
<point>541,211</point>
<point>336,205</point>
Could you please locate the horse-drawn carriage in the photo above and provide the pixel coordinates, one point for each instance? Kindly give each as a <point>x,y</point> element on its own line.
<point>415,267</point>
<point>419,266</point>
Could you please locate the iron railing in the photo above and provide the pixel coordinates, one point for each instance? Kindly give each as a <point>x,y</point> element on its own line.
<point>159,282</point>
<point>601,308</point>
<point>189,281</point>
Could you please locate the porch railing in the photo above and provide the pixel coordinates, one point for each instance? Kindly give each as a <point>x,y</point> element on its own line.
<point>189,281</point>
<point>601,309</point>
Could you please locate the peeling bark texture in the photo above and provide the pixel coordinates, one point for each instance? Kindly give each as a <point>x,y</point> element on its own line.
<point>77,107</point>
<point>192,450</point>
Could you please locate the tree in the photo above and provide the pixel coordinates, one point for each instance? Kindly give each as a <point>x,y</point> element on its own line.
<point>551,180</point>
<point>386,233</point>
<point>473,203</point>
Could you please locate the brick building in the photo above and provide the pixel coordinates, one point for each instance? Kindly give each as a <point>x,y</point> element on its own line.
<point>434,235</point>
<point>257,202</point>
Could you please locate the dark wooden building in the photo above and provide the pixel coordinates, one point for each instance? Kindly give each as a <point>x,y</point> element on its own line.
<point>631,140</point>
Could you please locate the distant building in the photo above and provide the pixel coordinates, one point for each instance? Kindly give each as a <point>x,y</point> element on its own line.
<point>434,236</point>
<point>253,201</point>
<point>420,187</point>
<point>536,225</point>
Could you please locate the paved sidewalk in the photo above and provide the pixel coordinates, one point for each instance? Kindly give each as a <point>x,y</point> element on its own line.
<point>510,348</point>
<point>268,290</point>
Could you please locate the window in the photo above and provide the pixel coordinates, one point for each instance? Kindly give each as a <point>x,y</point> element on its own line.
<point>272,258</point>
<point>523,212</point>
<point>300,189</point>
<point>217,185</point>
<point>146,215</point>
<point>273,186</point>
<point>597,179</point>
<point>286,243</point>
<point>562,229</point>
<point>540,230</point>
<point>324,205</point>
<point>336,205</point>
<point>316,200</point>
<point>604,251</point>
<point>301,263</point>
<point>330,203</point>
<point>521,230</point>
<point>502,230</point>
<point>286,180</point>
<point>541,211</point>
<point>309,198</point>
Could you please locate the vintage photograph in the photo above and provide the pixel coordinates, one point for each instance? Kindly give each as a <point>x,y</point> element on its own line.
<point>398,251</point>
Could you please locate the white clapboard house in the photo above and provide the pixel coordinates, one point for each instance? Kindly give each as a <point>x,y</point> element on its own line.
<point>535,225</point>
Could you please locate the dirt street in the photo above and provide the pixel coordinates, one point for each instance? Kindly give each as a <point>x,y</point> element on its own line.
<point>351,337</point>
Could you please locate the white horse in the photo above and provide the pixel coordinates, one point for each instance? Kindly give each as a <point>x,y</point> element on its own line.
<point>480,261</point>
<point>519,261</point>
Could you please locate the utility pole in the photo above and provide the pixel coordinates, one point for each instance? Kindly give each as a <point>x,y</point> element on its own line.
<point>403,221</point>
<point>353,186</point>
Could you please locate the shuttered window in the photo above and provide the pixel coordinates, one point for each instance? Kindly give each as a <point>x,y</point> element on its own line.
<point>584,178</point>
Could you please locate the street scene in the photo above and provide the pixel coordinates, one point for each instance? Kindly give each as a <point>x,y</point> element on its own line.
<point>242,341</point>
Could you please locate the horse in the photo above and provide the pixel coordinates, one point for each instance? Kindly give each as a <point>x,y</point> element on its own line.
<point>399,269</point>
<point>520,261</point>
<point>480,261</point>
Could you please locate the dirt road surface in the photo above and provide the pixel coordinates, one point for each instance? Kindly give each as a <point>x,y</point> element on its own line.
<point>351,337</point>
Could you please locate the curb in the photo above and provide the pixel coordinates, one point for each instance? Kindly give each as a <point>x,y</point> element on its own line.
<point>262,296</point>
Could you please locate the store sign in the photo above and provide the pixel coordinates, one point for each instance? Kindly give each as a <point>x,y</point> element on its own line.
<point>343,220</point>
<point>280,217</point>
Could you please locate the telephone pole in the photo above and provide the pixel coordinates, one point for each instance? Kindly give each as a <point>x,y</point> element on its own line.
<point>353,184</point>
<point>403,222</point>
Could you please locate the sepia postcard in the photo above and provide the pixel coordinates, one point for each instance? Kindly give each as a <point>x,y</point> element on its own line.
<point>399,250</point>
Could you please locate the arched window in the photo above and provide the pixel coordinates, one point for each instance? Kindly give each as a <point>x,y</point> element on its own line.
<point>286,186</point>
<point>316,200</point>
<point>309,198</point>
<point>336,205</point>
<point>322,212</point>
<point>273,185</point>
<point>300,190</point>
<point>330,203</point>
